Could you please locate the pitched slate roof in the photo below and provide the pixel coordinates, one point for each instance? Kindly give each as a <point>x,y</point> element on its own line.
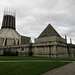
<point>49,31</point>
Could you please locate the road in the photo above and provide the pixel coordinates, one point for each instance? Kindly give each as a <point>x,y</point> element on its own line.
<point>68,69</point>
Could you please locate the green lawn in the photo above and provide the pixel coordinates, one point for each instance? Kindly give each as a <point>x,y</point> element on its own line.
<point>33,58</point>
<point>28,68</point>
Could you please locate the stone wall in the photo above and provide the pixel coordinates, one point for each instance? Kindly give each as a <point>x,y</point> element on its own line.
<point>51,51</point>
<point>52,47</point>
<point>71,50</point>
<point>48,49</point>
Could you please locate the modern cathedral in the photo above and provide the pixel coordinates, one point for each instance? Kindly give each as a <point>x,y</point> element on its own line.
<point>48,44</point>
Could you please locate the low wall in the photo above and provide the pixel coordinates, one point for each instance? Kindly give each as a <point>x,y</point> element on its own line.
<point>42,50</point>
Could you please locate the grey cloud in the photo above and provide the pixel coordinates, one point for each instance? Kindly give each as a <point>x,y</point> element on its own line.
<point>34,15</point>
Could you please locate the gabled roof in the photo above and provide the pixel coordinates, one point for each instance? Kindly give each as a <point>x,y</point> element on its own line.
<point>49,31</point>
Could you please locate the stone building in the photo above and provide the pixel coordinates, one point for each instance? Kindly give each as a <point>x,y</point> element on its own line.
<point>48,44</point>
<point>51,44</point>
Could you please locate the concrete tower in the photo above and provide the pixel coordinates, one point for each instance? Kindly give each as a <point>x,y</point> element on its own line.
<point>8,33</point>
<point>8,20</point>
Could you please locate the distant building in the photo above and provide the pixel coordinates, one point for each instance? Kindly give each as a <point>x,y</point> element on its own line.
<point>48,44</point>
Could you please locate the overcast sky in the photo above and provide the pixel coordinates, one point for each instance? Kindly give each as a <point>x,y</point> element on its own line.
<point>32,16</point>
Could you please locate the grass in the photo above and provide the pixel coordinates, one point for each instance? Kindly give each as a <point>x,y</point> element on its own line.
<point>28,68</point>
<point>33,58</point>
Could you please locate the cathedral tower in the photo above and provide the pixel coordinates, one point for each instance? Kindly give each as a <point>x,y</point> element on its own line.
<point>8,33</point>
<point>8,19</point>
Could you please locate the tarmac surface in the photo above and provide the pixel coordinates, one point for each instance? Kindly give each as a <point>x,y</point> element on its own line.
<point>68,69</point>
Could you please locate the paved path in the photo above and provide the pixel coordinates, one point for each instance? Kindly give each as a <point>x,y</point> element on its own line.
<point>68,69</point>
<point>32,60</point>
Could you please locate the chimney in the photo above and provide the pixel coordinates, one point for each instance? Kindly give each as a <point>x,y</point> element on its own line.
<point>65,39</point>
<point>70,41</point>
